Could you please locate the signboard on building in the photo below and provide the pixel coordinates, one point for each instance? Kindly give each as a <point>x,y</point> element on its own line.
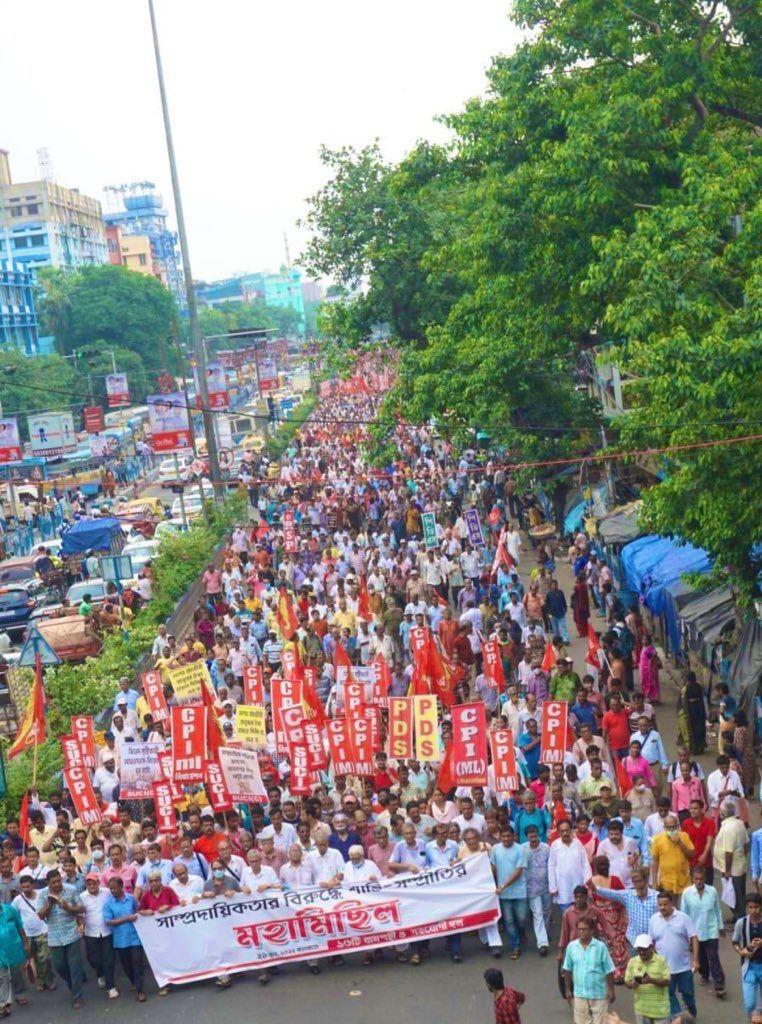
<point>168,422</point>
<point>93,418</point>
<point>52,433</point>
<point>10,445</point>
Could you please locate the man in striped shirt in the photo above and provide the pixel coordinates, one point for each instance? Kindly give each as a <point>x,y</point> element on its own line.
<point>640,901</point>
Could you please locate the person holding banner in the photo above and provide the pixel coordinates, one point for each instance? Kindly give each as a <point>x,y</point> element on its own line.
<point>120,912</point>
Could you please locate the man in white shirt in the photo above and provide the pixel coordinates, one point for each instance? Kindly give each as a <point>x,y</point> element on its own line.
<point>106,779</point>
<point>358,870</point>
<point>188,887</point>
<point>282,834</point>
<point>468,817</point>
<point>258,877</point>
<point>99,947</point>
<point>568,866</point>
<point>723,782</point>
<point>327,864</point>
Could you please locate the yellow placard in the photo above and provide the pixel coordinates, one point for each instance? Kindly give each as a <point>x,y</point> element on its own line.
<point>427,745</point>
<point>187,680</point>
<point>250,724</point>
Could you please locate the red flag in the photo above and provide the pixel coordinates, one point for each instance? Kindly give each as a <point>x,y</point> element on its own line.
<point>419,683</point>
<point>286,616</point>
<point>313,709</point>
<point>446,776</point>
<point>501,556</point>
<point>341,660</point>
<point>593,646</point>
<point>24,818</point>
<point>624,780</point>
<point>363,600</point>
<point>445,676</point>
<point>493,665</point>
<point>549,658</point>
<point>32,729</point>
<point>441,601</point>
<point>215,737</point>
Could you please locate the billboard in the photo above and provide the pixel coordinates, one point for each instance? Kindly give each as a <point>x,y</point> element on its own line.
<point>10,445</point>
<point>268,374</point>
<point>217,386</point>
<point>52,433</point>
<point>117,390</point>
<point>93,418</point>
<point>168,422</point>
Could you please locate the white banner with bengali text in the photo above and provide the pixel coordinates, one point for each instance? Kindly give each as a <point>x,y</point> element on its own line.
<point>250,932</point>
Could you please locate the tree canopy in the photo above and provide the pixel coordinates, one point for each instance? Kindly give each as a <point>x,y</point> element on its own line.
<point>604,191</point>
<point>110,304</point>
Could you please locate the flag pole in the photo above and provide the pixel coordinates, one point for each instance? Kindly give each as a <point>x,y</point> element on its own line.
<point>34,766</point>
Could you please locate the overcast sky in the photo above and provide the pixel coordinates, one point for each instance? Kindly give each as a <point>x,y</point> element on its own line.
<point>254,89</point>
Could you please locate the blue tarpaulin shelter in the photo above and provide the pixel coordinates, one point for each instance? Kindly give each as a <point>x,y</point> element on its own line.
<point>103,534</point>
<point>653,567</point>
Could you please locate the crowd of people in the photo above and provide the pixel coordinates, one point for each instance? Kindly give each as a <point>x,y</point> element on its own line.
<point>625,858</point>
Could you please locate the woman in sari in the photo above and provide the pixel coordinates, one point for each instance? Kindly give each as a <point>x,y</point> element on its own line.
<point>743,741</point>
<point>649,666</point>
<point>613,917</point>
<point>580,603</point>
<point>693,709</point>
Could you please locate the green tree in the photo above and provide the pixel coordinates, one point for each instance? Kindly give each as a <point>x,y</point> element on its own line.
<point>36,384</point>
<point>115,305</point>
<point>96,361</point>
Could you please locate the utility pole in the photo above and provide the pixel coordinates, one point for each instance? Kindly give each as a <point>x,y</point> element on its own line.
<point>607,472</point>
<point>190,295</point>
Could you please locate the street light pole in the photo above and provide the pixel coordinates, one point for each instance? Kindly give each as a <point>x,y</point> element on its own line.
<point>198,341</point>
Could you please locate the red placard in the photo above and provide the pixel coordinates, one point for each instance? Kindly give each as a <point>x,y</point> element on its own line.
<point>493,666</point>
<point>93,419</point>
<point>153,691</point>
<point>504,761</point>
<point>77,781</point>
<point>165,766</point>
<point>292,720</point>
<point>83,733</point>
<point>340,746</point>
<point>188,743</point>
<point>71,752</point>
<point>216,789</point>
<point>554,718</point>
<point>382,680</point>
<point>354,697</point>
<point>317,756</point>
<point>166,820</point>
<point>371,713</point>
<point>401,728</point>
<point>289,532</point>
<point>469,744</point>
<point>360,734</point>
<point>303,778</point>
<point>253,685</point>
<point>420,639</point>
<point>291,662</point>
<point>284,693</point>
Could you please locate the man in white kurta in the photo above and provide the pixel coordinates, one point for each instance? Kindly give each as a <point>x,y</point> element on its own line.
<point>568,866</point>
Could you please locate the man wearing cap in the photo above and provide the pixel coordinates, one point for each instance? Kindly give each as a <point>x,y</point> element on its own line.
<point>647,975</point>
<point>99,949</point>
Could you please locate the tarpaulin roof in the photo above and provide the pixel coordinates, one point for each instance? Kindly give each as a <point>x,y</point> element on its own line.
<point>651,564</point>
<point>576,512</point>
<point>621,524</point>
<point>745,671</point>
<point>91,535</point>
<point>705,618</point>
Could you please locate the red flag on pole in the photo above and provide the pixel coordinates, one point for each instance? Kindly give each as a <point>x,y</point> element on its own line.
<point>32,729</point>
<point>549,658</point>
<point>593,646</point>
<point>286,616</point>
<point>363,600</point>
<point>501,556</point>
<point>446,776</point>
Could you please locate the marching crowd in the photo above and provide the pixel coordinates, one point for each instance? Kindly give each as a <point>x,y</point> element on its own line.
<point>623,859</point>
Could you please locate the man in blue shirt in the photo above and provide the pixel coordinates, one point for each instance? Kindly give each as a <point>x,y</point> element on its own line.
<point>584,711</point>
<point>633,828</point>
<point>120,911</point>
<point>589,967</point>
<point>509,861</point>
<point>531,814</point>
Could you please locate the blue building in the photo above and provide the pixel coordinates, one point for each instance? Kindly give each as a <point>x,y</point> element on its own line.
<point>18,316</point>
<point>283,290</point>
<point>144,214</point>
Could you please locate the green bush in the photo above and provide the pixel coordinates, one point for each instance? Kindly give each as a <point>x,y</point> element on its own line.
<point>283,434</point>
<point>88,688</point>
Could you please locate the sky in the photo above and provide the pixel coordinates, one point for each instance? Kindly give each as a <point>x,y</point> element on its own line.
<point>254,89</point>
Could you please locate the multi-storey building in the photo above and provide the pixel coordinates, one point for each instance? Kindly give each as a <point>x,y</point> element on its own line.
<point>283,289</point>
<point>18,316</point>
<point>144,214</point>
<point>43,224</point>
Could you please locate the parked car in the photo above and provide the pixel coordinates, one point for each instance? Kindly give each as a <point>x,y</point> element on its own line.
<point>169,472</point>
<point>96,588</point>
<point>16,606</point>
<point>141,552</point>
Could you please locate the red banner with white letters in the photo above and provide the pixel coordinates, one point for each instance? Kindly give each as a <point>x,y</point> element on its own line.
<point>360,733</point>
<point>77,781</point>
<point>253,685</point>
<point>284,693</point>
<point>354,697</point>
<point>382,680</point>
<point>504,761</point>
<point>289,532</point>
<point>166,820</point>
<point>188,743</point>
<point>340,746</point>
<point>401,728</point>
<point>554,718</point>
<point>82,731</point>
<point>493,666</point>
<point>153,691</point>
<point>469,744</point>
<point>71,751</point>
<point>216,789</point>
<point>166,766</point>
